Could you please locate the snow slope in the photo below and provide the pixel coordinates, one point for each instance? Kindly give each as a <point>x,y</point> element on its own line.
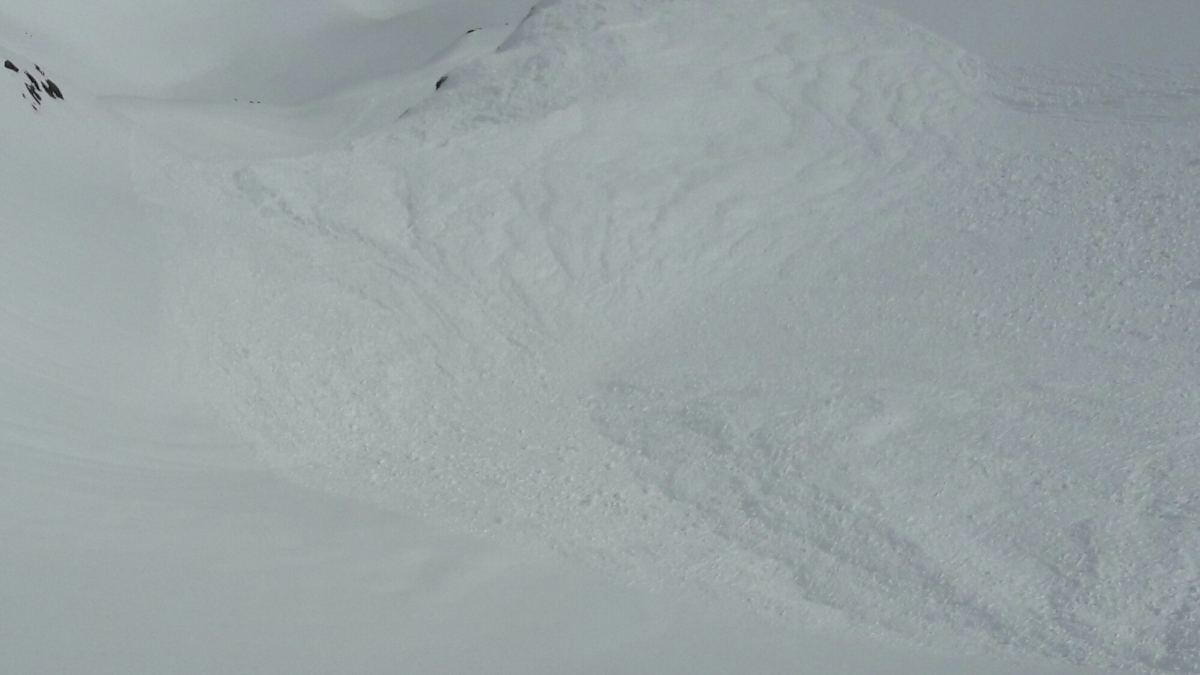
<point>276,51</point>
<point>137,534</point>
<point>1099,33</point>
<point>790,309</point>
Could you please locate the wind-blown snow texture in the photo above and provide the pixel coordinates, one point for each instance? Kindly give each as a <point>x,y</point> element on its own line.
<point>781,302</point>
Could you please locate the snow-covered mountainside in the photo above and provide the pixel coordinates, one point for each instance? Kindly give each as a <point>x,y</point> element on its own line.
<point>790,307</point>
<point>1097,33</point>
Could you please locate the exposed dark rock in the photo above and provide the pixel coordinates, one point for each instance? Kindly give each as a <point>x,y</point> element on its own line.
<point>35,89</point>
<point>441,81</point>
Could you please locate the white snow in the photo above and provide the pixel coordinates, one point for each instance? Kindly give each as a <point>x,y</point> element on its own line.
<point>1099,33</point>
<point>767,336</point>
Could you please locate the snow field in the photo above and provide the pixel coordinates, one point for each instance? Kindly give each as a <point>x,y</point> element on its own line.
<point>787,307</point>
<point>787,303</point>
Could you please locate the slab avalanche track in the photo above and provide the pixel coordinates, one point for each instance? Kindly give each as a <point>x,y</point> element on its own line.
<point>785,303</point>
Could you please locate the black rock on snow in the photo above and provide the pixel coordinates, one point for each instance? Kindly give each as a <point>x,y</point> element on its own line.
<point>36,89</point>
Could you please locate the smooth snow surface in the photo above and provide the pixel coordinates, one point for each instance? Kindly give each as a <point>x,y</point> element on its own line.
<point>788,311</point>
<point>276,51</point>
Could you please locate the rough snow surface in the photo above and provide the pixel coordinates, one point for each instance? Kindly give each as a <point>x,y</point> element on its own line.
<point>785,303</point>
<point>789,308</point>
<point>1095,33</point>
